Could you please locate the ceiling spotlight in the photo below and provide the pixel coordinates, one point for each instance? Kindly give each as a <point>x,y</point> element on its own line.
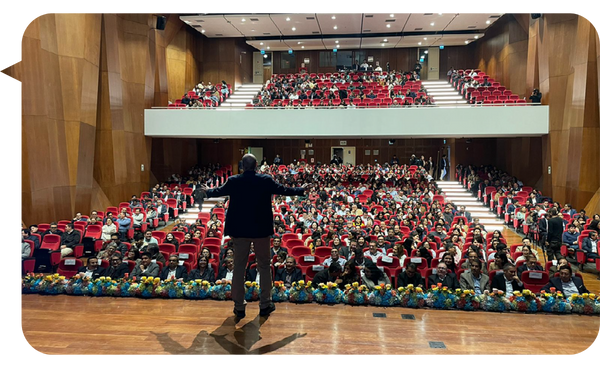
<point>466,42</point>
<point>385,40</point>
<point>302,46</point>
<point>337,41</point>
<point>383,44</point>
<point>387,25</point>
<point>432,24</point>
<point>391,15</point>
<point>268,47</point>
<point>299,42</point>
<point>265,56</point>
<point>476,37</point>
<point>333,17</point>
<point>334,27</point>
<point>439,13</point>
<point>204,30</point>
<point>293,28</point>
<point>261,43</point>
<point>427,51</point>
<point>487,22</point>
<point>243,20</point>
<point>419,43</point>
<point>425,38</point>
<point>252,30</point>
<point>288,19</point>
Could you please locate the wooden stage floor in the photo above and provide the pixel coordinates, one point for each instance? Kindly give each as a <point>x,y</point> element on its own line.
<point>106,325</point>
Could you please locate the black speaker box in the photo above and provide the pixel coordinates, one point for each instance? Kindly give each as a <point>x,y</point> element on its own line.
<point>161,22</point>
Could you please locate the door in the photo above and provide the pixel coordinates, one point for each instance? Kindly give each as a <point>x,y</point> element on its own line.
<point>257,68</point>
<point>347,154</point>
<point>257,152</point>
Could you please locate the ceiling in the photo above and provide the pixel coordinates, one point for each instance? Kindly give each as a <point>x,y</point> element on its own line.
<point>281,32</point>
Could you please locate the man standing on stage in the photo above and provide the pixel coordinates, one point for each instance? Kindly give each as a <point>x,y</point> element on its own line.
<point>250,220</point>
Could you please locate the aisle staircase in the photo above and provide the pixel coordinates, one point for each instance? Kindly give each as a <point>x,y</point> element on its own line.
<point>454,191</point>
<point>443,93</point>
<point>241,96</point>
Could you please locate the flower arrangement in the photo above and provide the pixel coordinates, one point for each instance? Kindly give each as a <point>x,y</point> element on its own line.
<point>121,288</point>
<point>52,284</point>
<point>585,303</point>
<point>328,293</point>
<point>279,293</point>
<point>197,289</point>
<point>555,301</point>
<point>301,292</point>
<point>31,282</point>
<point>221,290</point>
<point>147,287</point>
<point>384,295</point>
<point>411,297</point>
<point>356,294</point>
<point>441,297</point>
<point>525,301</point>
<point>252,291</point>
<point>78,285</point>
<point>100,286</point>
<point>170,288</point>
<point>495,301</point>
<point>467,300</point>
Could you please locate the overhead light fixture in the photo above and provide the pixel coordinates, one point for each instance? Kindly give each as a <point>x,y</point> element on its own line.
<point>265,56</point>
<point>288,19</point>
<point>383,44</point>
<point>432,24</point>
<point>333,17</point>
<point>302,46</point>
<point>439,13</point>
<point>252,30</point>
<point>243,19</point>
<point>476,37</point>
<point>261,43</point>
<point>387,25</point>
<point>334,27</point>
<point>337,41</point>
<point>466,42</point>
<point>268,47</point>
<point>427,51</point>
<point>419,43</point>
<point>425,38</point>
<point>293,28</point>
<point>299,42</point>
<point>202,31</point>
<point>385,40</point>
<point>487,22</point>
<point>391,15</point>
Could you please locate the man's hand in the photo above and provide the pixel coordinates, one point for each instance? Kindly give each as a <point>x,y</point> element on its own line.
<point>306,186</point>
<point>204,188</point>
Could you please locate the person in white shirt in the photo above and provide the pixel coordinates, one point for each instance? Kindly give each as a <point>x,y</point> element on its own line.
<point>108,229</point>
<point>138,218</point>
<point>335,257</point>
<point>373,252</point>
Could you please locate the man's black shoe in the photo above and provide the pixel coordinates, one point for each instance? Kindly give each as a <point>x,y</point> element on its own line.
<point>239,314</point>
<point>268,310</point>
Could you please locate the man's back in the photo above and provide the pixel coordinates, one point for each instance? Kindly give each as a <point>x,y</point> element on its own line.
<point>555,229</point>
<point>250,214</point>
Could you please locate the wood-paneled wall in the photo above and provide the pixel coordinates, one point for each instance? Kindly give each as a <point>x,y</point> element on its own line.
<point>83,142</point>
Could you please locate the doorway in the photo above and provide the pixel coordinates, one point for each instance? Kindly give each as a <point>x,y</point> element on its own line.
<point>347,154</point>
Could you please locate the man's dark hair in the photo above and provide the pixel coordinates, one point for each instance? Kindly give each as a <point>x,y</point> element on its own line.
<point>335,267</point>
<point>477,261</point>
<point>412,266</point>
<point>147,254</point>
<point>91,257</point>
<point>566,267</point>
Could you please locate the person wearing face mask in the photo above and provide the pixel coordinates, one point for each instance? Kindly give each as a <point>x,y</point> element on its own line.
<point>507,281</point>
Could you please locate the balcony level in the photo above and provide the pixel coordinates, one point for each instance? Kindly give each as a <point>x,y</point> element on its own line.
<point>458,121</point>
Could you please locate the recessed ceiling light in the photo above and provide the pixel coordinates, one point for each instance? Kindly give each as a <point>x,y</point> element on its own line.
<point>387,25</point>
<point>425,38</point>
<point>476,37</point>
<point>299,42</point>
<point>385,40</point>
<point>293,28</point>
<point>333,17</point>
<point>252,30</point>
<point>391,15</point>
<point>243,20</point>
<point>261,43</point>
<point>439,13</point>
<point>268,47</point>
<point>467,42</point>
<point>334,27</point>
<point>337,41</point>
<point>419,43</point>
<point>265,56</point>
<point>302,46</point>
<point>422,56</point>
<point>432,24</point>
<point>204,30</point>
<point>288,19</point>
<point>383,44</point>
<point>427,51</point>
<point>487,22</point>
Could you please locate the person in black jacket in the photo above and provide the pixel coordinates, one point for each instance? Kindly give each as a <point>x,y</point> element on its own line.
<point>444,278</point>
<point>555,230</point>
<point>174,269</point>
<point>204,271</point>
<point>91,270</point>
<point>68,240</point>
<point>289,273</point>
<point>117,269</point>
<point>507,281</point>
<point>566,283</point>
<point>331,274</point>
<point>250,219</point>
<point>410,276</point>
<point>530,265</point>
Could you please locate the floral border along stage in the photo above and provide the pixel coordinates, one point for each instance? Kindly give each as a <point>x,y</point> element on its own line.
<point>301,292</point>
<point>252,291</point>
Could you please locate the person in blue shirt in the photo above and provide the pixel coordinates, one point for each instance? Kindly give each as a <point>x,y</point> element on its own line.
<point>570,237</point>
<point>124,225</point>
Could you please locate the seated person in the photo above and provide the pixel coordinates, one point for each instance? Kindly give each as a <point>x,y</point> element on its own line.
<point>146,267</point>
<point>507,281</point>
<point>590,245</point>
<point>335,257</point>
<point>530,265</point>
<point>474,279</point>
<point>91,270</point>
<point>349,275</point>
<point>373,252</point>
<point>500,260</point>
<point>68,240</point>
<point>117,269</point>
<point>373,276</point>
<point>331,274</point>
<point>443,277</point>
<point>527,241</point>
<point>289,273</point>
<point>466,265</point>
<point>566,283</point>
<point>226,272</point>
<point>124,225</point>
<point>570,237</point>
<point>277,246</point>
<point>138,218</point>
<point>174,270</point>
<point>410,276</point>
<point>526,250</point>
<point>203,271</point>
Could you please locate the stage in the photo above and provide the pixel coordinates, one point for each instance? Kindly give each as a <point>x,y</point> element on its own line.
<point>107,325</point>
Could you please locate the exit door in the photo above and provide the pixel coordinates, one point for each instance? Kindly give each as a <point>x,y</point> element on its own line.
<point>257,68</point>
<point>347,154</point>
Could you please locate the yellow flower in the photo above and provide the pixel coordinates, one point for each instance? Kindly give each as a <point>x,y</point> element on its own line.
<point>377,287</point>
<point>348,287</point>
<point>254,283</point>
<point>108,278</point>
<point>143,278</point>
<point>458,291</point>
<point>102,278</point>
<point>56,275</point>
<point>401,289</point>
<point>294,284</point>
<point>308,284</point>
<point>334,285</point>
<point>355,284</point>
<point>584,295</point>
<point>419,290</point>
<point>301,282</point>
<point>410,286</point>
<point>526,292</point>
<point>592,296</point>
<point>388,287</point>
<point>61,278</point>
<point>248,283</point>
